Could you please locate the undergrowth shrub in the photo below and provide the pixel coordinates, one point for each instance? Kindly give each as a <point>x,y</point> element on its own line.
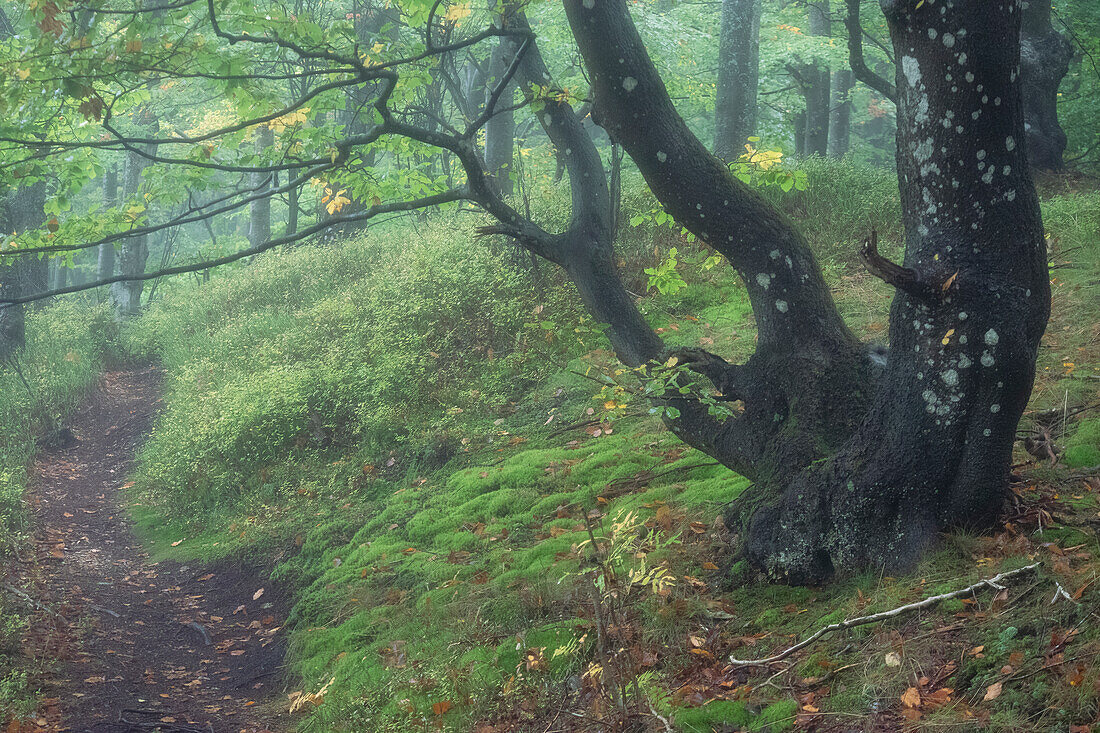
<point>391,343</point>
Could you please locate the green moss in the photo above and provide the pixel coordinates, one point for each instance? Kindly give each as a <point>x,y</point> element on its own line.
<point>1083,448</point>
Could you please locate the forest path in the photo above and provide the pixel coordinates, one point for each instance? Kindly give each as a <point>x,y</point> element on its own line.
<point>139,645</point>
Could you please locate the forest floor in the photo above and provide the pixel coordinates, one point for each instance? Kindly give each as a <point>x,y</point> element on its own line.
<point>131,644</point>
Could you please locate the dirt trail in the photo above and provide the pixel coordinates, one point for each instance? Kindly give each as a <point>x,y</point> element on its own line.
<point>140,645</point>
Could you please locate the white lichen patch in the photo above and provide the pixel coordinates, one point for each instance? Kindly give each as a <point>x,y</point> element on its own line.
<point>763,279</point>
<point>781,306</point>
<point>991,337</point>
<point>910,67</point>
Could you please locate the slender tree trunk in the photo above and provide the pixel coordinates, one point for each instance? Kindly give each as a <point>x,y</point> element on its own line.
<point>259,210</point>
<point>500,131</point>
<point>134,251</point>
<point>105,265</point>
<point>840,117</point>
<point>800,133</point>
<point>60,275</point>
<point>817,85</point>
<point>738,77</point>
<point>20,211</point>
<point>1045,55</point>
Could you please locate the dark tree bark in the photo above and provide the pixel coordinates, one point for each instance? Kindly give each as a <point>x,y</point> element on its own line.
<point>1045,55</point>
<point>840,116</point>
<point>859,463</point>
<point>816,85</point>
<point>738,77</point>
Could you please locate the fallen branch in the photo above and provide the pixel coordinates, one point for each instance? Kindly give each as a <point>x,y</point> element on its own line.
<point>24,597</point>
<point>994,582</point>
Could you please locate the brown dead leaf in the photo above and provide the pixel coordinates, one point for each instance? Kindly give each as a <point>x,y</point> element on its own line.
<point>911,698</point>
<point>993,691</point>
<point>257,594</point>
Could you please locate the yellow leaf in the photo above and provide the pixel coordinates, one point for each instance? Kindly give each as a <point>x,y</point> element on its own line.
<point>23,73</point>
<point>456,13</point>
<point>338,202</point>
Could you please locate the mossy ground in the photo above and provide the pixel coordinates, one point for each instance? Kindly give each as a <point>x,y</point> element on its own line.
<point>425,468</point>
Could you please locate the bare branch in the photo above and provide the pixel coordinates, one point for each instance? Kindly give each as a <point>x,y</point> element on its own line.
<point>856,60</point>
<point>457,194</point>
<point>902,278</point>
<point>994,582</point>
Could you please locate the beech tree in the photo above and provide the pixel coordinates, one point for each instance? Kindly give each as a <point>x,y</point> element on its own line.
<point>738,77</point>
<point>859,459</point>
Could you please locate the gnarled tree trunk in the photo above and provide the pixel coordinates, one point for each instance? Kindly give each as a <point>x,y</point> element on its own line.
<point>860,461</point>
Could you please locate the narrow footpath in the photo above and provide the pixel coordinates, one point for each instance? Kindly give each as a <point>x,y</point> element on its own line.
<point>139,645</point>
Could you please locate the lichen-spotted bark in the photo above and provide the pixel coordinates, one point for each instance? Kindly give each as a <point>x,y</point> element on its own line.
<point>854,471</point>
<point>934,449</point>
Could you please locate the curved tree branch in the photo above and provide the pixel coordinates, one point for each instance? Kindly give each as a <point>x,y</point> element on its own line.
<point>860,69</point>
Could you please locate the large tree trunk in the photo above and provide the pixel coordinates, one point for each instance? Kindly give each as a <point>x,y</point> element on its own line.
<point>816,85</point>
<point>1044,61</point>
<point>738,77</point>
<point>860,465</point>
<point>840,116</point>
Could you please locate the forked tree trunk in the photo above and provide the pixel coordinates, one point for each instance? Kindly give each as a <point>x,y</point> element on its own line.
<point>738,77</point>
<point>859,466</point>
<point>1045,55</point>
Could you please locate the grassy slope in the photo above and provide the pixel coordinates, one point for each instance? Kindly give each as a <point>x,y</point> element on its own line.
<point>65,344</point>
<point>385,420</point>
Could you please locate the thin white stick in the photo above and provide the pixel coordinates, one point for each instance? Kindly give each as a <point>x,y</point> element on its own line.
<point>994,582</point>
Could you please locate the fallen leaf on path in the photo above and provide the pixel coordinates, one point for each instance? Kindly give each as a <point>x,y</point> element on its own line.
<point>993,691</point>
<point>257,594</point>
